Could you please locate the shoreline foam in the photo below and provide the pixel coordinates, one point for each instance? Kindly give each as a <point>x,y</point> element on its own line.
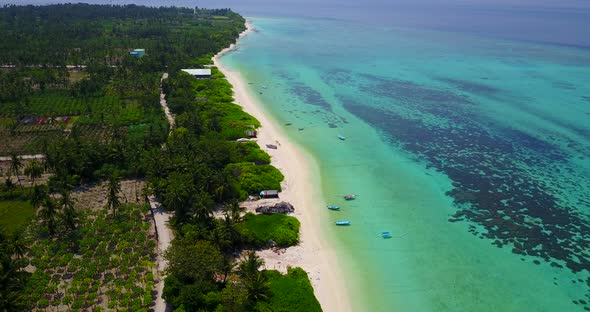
<point>314,254</point>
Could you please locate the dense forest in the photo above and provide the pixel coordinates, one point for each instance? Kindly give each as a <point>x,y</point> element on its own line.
<point>71,91</point>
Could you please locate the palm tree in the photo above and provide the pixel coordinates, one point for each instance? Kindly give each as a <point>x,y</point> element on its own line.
<point>177,195</point>
<point>219,238</point>
<point>227,266</point>
<point>63,180</point>
<point>255,281</point>
<point>113,189</point>
<point>202,208</point>
<point>233,211</point>
<point>228,227</point>
<point>38,195</point>
<point>34,170</point>
<point>15,165</point>
<point>11,283</point>
<point>69,212</point>
<point>17,244</point>
<point>48,212</point>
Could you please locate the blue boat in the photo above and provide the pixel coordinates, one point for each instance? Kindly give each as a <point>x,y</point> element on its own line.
<point>333,207</point>
<point>386,234</point>
<point>344,222</point>
<point>341,137</point>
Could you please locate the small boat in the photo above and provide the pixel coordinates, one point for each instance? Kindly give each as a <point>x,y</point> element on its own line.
<point>301,129</point>
<point>386,234</point>
<point>350,197</point>
<point>344,222</point>
<point>341,137</point>
<point>333,207</point>
<point>271,146</point>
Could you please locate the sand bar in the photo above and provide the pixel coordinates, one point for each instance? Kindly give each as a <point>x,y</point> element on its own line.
<point>314,254</point>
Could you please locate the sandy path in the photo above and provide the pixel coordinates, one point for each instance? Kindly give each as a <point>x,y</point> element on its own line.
<point>161,219</point>
<point>165,236</point>
<point>314,254</point>
<point>164,104</point>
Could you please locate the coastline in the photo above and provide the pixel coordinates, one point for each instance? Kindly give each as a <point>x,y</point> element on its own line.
<point>314,254</point>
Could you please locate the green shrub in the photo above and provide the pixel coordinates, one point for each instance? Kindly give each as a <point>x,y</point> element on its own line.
<point>252,178</point>
<point>257,230</point>
<point>112,304</point>
<point>251,152</point>
<point>43,303</point>
<point>77,304</point>
<point>290,293</point>
<point>68,299</point>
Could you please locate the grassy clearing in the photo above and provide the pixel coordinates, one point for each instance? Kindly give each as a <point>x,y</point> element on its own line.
<point>259,229</point>
<point>15,215</point>
<point>107,264</point>
<point>77,75</point>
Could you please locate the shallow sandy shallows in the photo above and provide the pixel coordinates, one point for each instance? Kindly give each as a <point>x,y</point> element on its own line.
<point>314,254</point>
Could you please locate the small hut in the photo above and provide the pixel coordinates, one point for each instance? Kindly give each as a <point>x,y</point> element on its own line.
<point>269,194</point>
<point>250,133</point>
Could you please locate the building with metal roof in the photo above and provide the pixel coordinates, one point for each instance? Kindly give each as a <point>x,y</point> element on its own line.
<point>199,72</point>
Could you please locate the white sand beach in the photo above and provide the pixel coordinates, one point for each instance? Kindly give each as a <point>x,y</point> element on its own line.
<point>314,254</point>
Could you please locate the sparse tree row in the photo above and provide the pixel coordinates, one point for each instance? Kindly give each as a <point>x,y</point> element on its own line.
<point>104,259</point>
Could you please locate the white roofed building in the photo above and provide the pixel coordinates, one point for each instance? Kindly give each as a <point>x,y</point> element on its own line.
<point>199,72</point>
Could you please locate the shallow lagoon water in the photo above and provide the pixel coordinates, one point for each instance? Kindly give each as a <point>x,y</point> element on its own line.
<point>473,152</point>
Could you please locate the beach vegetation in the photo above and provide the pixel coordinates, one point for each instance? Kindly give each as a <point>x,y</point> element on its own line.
<point>289,292</point>
<point>250,178</point>
<point>251,152</point>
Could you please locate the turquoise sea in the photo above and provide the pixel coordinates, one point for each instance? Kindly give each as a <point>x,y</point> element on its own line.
<point>473,151</point>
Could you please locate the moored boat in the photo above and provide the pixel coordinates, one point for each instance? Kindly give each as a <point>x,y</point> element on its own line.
<point>341,137</point>
<point>386,234</point>
<point>333,207</point>
<point>343,222</point>
<point>350,197</point>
